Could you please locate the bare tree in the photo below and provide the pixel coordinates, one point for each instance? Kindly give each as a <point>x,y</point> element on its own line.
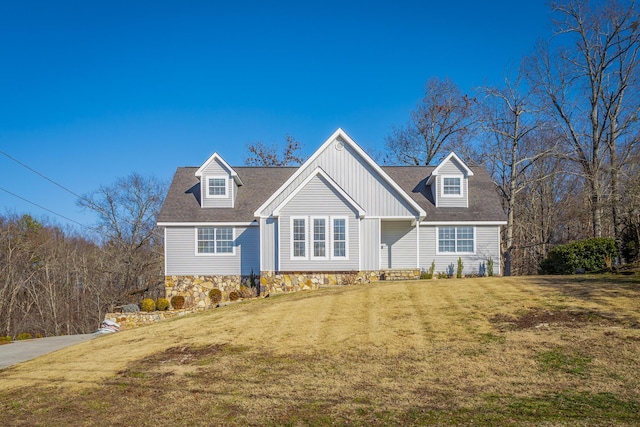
<point>513,141</point>
<point>132,245</point>
<point>585,83</point>
<point>443,120</point>
<point>262,155</point>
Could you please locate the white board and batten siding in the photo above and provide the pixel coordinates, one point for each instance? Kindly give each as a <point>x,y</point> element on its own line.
<point>181,258</point>
<point>398,245</point>
<point>357,178</point>
<point>216,170</point>
<point>318,200</point>
<point>449,169</point>
<point>487,244</point>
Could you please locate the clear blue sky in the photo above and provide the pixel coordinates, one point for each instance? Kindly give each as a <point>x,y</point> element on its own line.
<point>94,90</point>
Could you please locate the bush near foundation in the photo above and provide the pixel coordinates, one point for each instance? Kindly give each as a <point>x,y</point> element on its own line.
<point>215,295</point>
<point>590,255</point>
<point>162,304</point>
<point>234,296</point>
<point>177,302</point>
<point>148,304</point>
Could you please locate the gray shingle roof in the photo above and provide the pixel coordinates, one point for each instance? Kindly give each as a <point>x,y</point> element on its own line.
<point>182,203</point>
<point>484,203</point>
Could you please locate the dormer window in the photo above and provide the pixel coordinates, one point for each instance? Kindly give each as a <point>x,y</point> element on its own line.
<point>217,187</point>
<point>452,186</point>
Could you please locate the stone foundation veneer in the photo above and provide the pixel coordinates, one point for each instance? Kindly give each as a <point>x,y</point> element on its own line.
<point>280,281</point>
<point>195,289</point>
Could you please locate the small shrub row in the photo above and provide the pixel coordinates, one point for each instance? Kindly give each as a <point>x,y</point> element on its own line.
<point>5,340</point>
<point>24,336</point>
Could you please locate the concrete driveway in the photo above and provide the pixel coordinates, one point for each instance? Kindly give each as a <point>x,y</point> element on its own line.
<point>20,351</point>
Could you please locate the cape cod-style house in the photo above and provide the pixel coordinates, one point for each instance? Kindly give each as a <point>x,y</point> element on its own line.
<point>338,218</point>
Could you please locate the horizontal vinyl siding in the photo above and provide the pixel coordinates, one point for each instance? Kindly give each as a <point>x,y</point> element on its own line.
<point>317,199</point>
<point>398,247</point>
<point>215,169</point>
<point>370,238</point>
<point>182,260</point>
<point>487,240</point>
<point>357,179</point>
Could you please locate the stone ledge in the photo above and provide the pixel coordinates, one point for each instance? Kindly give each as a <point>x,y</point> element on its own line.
<point>142,318</point>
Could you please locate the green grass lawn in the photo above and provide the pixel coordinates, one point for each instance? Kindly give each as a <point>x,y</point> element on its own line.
<point>487,351</point>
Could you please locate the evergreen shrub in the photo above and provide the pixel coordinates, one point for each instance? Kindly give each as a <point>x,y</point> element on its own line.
<point>590,255</point>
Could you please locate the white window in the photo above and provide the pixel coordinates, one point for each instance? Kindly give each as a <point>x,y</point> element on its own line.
<point>319,237</point>
<point>451,186</point>
<point>299,237</point>
<point>214,240</point>
<point>217,187</point>
<point>456,240</point>
<point>339,237</point>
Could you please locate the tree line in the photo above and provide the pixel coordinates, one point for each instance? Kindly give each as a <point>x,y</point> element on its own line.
<point>559,136</point>
<point>56,281</point>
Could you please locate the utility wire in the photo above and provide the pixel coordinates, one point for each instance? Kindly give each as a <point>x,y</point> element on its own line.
<point>46,209</point>
<point>41,175</point>
<point>90,203</point>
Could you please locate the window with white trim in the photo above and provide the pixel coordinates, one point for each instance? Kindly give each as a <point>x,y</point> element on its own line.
<point>456,240</point>
<point>215,240</point>
<point>217,187</point>
<point>299,237</point>
<point>339,237</point>
<point>319,237</point>
<point>451,186</point>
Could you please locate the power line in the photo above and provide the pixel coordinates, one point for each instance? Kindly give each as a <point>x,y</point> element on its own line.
<point>90,203</point>
<point>43,176</point>
<point>46,209</point>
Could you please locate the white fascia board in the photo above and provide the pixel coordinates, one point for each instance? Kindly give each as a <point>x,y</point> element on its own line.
<point>426,223</point>
<point>454,156</point>
<point>208,224</point>
<point>342,134</point>
<point>318,171</point>
<point>215,156</point>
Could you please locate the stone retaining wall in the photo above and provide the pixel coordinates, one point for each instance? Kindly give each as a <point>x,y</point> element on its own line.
<point>141,318</point>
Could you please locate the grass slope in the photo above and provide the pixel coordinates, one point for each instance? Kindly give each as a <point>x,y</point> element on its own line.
<point>488,351</point>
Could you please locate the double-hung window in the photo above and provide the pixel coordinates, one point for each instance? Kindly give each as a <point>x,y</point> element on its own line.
<point>217,187</point>
<point>456,240</point>
<point>214,240</point>
<point>452,186</point>
<point>299,237</point>
<point>339,238</point>
<point>319,237</point>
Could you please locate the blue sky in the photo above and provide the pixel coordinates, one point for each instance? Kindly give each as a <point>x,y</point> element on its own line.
<point>91,91</point>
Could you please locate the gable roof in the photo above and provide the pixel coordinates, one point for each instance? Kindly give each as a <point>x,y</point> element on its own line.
<point>182,204</point>
<point>216,157</point>
<point>457,159</point>
<point>339,133</point>
<point>319,172</point>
